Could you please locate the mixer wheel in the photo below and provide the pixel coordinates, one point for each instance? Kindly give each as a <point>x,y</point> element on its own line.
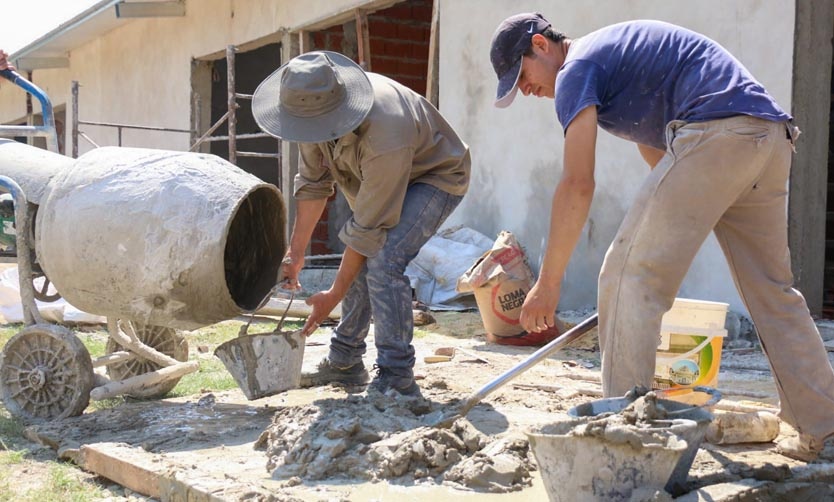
<point>163,339</point>
<point>45,373</point>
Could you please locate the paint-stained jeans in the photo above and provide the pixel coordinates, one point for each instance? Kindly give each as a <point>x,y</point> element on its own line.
<point>382,290</point>
<point>729,176</point>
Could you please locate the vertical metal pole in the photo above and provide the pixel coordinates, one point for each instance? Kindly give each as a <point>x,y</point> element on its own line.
<point>230,79</point>
<point>75,119</point>
<point>363,46</point>
<point>30,116</point>
<point>119,130</point>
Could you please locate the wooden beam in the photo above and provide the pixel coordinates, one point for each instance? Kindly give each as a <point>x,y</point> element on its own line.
<point>432,78</point>
<point>305,42</point>
<point>124,465</point>
<point>810,102</point>
<point>363,45</point>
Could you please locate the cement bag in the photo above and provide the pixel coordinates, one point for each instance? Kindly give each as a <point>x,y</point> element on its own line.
<point>500,279</point>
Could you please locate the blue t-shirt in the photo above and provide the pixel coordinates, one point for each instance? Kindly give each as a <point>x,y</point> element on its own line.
<point>643,74</point>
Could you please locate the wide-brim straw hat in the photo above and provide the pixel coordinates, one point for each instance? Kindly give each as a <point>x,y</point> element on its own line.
<point>315,97</point>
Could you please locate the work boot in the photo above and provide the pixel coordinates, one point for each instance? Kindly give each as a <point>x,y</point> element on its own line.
<point>386,380</point>
<point>803,447</point>
<point>328,373</point>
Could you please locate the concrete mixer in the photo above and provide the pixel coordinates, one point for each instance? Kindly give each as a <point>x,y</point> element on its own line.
<point>154,240</point>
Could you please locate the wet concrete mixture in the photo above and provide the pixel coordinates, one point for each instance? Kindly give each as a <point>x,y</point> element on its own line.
<point>329,444</point>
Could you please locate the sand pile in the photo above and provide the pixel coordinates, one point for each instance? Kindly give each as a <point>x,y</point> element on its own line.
<point>374,437</point>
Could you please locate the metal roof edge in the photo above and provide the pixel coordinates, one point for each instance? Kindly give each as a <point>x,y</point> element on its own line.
<point>65,27</point>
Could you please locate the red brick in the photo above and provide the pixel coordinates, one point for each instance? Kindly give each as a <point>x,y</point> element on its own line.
<point>320,233</point>
<point>421,11</point>
<point>398,49</point>
<point>384,65</point>
<point>381,28</point>
<point>420,51</point>
<point>317,248</point>
<point>411,32</point>
<point>399,11</point>
<point>412,69</point>
<point>377,46</point>
<point>415,84</point>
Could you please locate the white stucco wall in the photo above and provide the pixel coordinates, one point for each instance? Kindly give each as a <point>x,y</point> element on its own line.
<point>140,73</point>
<point>517,152</point>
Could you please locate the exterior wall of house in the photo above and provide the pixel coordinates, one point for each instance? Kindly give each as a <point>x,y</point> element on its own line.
<point>140,73</point>
<point>517,152</point>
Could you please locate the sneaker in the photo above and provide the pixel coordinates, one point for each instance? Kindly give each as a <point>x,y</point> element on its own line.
<point>328,373</point>
<point>803,447</point>
<point>386,380</point>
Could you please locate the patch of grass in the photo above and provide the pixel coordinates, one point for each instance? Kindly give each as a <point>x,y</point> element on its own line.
<point>95,341</point>
<point>7,331</point>
<point>11,457</point>
<point>106,404</point>
<point>212,376</point>
<point>11,429</point>
<point>64,484</point>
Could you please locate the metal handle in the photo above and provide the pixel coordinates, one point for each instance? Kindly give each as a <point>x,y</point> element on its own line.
<point>48,128</point>
<point>245,328</point>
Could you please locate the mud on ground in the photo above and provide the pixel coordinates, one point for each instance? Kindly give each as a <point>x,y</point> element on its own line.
<point>329,444</point>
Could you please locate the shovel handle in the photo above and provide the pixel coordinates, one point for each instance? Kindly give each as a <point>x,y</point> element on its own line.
<point>557,344</point>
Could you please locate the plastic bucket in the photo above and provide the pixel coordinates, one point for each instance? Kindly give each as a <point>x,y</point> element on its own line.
<point>689,348</point>
<point>693,435</point>
<point>623,463</point>
<point>264,364</point>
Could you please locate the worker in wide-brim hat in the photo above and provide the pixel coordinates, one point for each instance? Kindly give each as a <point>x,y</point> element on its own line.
<point>402,169</point>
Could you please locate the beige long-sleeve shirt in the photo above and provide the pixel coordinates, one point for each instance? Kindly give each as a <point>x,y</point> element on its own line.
<point>403,140</point>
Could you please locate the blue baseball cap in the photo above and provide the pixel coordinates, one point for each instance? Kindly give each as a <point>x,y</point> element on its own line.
<point>509,42</point>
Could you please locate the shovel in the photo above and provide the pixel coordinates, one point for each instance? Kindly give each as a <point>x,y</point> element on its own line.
<point>565,338</point>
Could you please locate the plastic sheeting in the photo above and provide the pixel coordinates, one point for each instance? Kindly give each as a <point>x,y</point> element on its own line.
<point>59,311</point>
<point>446,256</point>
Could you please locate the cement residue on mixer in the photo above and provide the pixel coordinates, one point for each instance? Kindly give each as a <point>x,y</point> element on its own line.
<point>375,437</point>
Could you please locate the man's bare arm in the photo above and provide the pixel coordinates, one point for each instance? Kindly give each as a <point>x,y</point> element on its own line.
<point>569,211</point>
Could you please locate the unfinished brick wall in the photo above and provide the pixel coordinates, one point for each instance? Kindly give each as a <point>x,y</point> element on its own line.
<point>399,47</point>
<point>399,41</point>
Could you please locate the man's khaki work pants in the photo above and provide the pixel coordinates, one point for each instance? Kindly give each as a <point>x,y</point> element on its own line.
<point>728,176</point>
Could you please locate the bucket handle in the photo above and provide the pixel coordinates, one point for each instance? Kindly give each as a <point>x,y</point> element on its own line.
<point>245,328</point>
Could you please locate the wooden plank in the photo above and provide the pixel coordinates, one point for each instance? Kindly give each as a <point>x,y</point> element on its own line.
<point>363,44</point>
<point>432,77</point>
<point>277,306</point>
<point>122,464</point>
<point>305,41</point>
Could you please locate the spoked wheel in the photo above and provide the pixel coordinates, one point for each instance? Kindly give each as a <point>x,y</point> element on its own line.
<point>43,292</point>
<point>165,340</point>
<point>45,373</point>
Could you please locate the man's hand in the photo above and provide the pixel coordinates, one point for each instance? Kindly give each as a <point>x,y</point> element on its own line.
<point>323,303</point>
<point>4,61</point>
<point>290,269</point>
<point>539,309</point>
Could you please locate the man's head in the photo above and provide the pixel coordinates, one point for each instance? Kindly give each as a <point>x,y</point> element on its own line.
<point>315,97</point>
<point>530,35</point>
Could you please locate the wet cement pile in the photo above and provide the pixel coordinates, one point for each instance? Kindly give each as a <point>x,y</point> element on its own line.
<point>376,437</point>
<point>643,421</point>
